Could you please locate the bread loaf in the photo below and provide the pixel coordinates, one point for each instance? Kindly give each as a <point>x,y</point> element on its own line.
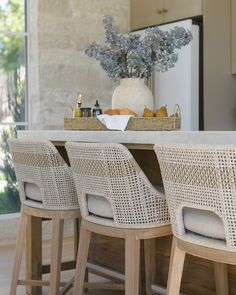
<point>123,111</point>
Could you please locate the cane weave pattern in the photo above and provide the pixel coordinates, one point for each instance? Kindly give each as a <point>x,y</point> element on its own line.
<point>39,162</point>
<point>110,171</point>
<point>202,177</point>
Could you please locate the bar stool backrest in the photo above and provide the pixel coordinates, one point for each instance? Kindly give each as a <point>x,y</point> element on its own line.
<point>201,177</point>
<point>39,162</point>
<point>110,171</point>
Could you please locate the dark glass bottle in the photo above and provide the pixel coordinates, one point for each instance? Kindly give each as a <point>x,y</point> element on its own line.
<point>97,111</point>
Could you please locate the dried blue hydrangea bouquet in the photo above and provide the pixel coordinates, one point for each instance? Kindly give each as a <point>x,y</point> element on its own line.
<point>131,56</point>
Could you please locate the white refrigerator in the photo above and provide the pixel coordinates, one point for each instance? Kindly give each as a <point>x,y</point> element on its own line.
<point>180,85</point>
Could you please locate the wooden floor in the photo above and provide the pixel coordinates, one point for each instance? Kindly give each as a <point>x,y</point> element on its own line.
<point>6,262</point>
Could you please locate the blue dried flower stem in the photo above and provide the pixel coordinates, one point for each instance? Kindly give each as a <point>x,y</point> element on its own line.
<point>132,57</point>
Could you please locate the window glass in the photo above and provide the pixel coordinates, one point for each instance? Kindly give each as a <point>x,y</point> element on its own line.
<point>12,15</point>
<point>9,195</point>
<point>12,79</point>
<point>13,94</point>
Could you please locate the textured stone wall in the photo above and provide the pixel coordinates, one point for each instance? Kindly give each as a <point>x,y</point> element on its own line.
<point>64,29</point>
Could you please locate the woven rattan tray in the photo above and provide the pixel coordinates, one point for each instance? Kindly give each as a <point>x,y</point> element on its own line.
<point>138,124</point>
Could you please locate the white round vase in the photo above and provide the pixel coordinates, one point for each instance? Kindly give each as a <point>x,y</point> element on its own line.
<point>132,93</point>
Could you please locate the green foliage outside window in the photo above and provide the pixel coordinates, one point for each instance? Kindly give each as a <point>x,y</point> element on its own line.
<point>12,66</point>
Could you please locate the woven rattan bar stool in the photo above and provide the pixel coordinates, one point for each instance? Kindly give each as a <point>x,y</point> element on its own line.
<point>200,187</point>
<point>47,191</point>
<point>116,199</point>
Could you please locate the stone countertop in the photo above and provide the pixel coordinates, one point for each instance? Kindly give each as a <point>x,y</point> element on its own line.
<point>132,137</point>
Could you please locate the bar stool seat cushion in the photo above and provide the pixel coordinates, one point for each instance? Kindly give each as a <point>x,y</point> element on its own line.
<point>203,222</point>
<point>32,192</point>
<point>99,206</point>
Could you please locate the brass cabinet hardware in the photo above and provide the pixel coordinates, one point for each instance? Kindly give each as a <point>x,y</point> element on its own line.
<point>163,10</point>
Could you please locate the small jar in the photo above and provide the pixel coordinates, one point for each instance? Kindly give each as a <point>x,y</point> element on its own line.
<point>86,112</point>
<point>76,113</point>
<point>76,110</point>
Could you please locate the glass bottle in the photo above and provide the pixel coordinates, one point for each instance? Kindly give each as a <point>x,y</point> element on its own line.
<point>97,111</point>
<point>77,110</point>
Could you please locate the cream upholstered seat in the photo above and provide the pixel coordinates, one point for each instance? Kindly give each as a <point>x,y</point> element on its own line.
<point>100,206</point>
<point>32,192</point>
<point>107,176</point>
<point>47,191</point>
<point>200,187</point>
<point>204,223</point>
<point>97,205</point>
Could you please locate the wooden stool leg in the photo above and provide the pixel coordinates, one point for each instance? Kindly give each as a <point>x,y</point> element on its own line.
<point>175,269</point>
<point>150,264</point>
<point>34,253</point>
<point>19,252</point>
<point>82,258</point>
<point>56,254</point>
<point>221,278</point>
<point>76,244</point>
<point>132,263</point>
<point>76,236</point>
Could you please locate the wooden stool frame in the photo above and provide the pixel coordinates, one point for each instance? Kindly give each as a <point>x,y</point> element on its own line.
<point>57,217</point>
<point>132,253</point>
<point>220,258</point>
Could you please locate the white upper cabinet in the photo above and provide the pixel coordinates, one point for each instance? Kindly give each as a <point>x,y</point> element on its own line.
<point>233,35</point>
<point>153,12</point>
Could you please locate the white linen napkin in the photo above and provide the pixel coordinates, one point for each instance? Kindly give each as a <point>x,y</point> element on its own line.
<point>115,122</point>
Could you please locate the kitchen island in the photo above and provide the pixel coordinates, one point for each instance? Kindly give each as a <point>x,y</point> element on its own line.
<point>198,278</point>
<point>132,137</point>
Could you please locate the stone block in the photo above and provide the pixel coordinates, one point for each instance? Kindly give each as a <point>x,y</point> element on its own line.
<point>64,57</point>
<point>53,25</point>
<point>56,40</point>
<point>61,77</point>
<point>55,7</point>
